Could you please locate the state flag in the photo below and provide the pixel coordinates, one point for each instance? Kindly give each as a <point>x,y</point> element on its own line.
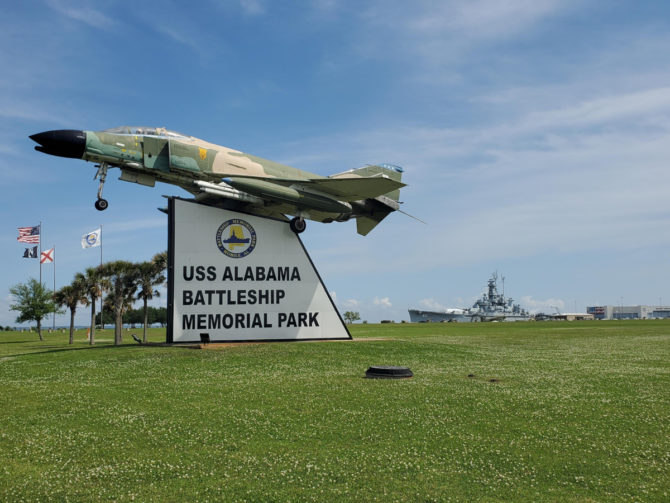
<point>91,239</point>
<point>30,252</point>
<point>47,256</point>
<point>29,235</point>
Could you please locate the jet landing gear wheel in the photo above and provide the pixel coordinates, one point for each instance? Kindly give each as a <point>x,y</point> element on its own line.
<point>101,204</point>
<point>298,225</point>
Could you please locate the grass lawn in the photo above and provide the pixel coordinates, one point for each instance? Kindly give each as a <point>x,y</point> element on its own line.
<point>576,411</point>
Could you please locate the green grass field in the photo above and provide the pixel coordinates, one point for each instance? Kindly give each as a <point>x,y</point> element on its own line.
<point>577,412</point>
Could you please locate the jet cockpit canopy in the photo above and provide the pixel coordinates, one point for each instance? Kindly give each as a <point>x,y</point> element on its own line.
<point>141,130</point>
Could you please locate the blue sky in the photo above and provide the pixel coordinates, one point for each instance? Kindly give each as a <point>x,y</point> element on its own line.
<point>534,136</point>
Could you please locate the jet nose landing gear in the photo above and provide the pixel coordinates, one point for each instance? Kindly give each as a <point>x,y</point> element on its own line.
<point>298,225</point>
<point>101,204</point>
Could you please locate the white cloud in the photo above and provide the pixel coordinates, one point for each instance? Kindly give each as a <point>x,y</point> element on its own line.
<point>29,110</point>
<point>177,35</point>
<point>82,11</point>
<point>548,306</point>
<point>252,7</point>
<point>589,176</point>
<point>646,105</point>
<point>429,39</point>
<point>431,304</point>
<point>351,303</point>
<point>384,302</point>
<point>479,19</point>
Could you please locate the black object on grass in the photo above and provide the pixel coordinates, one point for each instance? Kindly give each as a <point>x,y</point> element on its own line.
<point>386,372</point>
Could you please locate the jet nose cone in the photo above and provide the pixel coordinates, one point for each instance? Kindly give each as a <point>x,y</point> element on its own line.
<point>61,142</point>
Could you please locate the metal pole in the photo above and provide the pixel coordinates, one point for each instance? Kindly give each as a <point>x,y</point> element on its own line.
<point>54,257</point>
<point>102,323</point>
<point>39,256</point>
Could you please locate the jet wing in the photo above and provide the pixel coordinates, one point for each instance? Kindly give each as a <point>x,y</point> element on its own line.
<point>345,189</point>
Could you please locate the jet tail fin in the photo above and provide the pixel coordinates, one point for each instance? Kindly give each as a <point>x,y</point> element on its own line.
<point>364,224</point>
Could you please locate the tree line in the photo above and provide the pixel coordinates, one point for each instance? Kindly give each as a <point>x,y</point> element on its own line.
<point>134,317</point>
<point>123,283</point>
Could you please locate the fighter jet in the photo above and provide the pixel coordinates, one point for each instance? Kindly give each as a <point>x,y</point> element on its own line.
<point>229,178</point>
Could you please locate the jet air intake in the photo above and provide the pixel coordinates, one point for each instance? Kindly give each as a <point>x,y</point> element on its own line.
<point>61,142</point>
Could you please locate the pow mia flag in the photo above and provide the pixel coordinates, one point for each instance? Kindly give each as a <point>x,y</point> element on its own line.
<point>30,252</point>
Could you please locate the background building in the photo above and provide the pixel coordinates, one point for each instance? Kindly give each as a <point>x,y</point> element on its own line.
<point>573,316</point>
<point>628,312</point>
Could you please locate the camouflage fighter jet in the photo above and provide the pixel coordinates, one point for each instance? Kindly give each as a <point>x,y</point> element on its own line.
<point>229,178</point>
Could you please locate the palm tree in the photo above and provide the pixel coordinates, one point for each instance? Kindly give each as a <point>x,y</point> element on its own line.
<point>71,296</point>
<point>122,277</point>
<point>150,274</point>
<point>160,259</point>
<point>93,285</point>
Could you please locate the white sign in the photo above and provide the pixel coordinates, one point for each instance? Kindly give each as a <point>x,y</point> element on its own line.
<point>238,277</point>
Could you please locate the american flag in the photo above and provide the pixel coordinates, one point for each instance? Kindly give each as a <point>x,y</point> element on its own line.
<point>29,235</point>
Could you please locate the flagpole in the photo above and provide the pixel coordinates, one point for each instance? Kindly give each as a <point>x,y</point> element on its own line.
<point>54,257</point>
<point>40,253</point>
<point>102,323</point>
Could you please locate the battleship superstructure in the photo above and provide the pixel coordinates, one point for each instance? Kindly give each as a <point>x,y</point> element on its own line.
<point>492,306</point>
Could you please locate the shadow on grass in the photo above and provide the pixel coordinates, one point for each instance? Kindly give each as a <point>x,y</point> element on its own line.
<point>60,349</point>
<point>17,342</point>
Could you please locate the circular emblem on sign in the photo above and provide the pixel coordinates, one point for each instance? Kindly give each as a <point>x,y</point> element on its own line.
<point>236,238</point>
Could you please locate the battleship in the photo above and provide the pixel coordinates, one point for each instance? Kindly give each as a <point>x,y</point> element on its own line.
<point>492,306</point>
